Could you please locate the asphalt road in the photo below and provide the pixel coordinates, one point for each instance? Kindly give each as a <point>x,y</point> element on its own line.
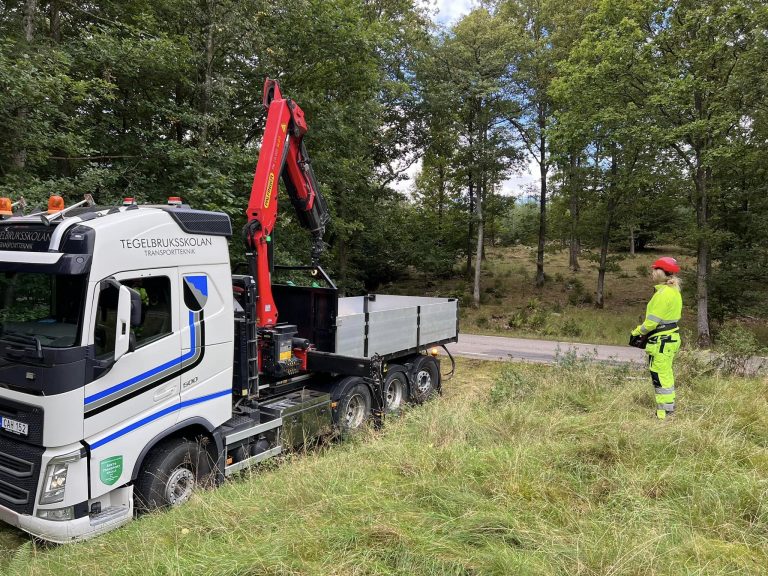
<point>545,351</point>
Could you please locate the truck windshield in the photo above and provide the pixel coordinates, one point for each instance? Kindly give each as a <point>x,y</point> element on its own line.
<point>47,308</point>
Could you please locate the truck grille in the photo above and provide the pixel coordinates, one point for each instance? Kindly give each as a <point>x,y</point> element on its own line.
<point>16,466</point>
<point>19,473</point>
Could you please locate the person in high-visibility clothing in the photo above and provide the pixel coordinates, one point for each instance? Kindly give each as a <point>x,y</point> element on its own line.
<point>659,333</point>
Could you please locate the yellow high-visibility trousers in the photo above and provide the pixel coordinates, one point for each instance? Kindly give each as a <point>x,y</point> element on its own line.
<point>661,349</point>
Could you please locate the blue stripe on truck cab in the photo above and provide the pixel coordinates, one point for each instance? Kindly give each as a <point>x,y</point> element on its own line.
<point>151,372</point>
<point>160,414</point>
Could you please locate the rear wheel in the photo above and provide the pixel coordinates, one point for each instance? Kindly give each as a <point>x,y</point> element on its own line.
<point>425,378</point>
<point>354,406</point>
<point>395,390</point>
<point>170,473</point>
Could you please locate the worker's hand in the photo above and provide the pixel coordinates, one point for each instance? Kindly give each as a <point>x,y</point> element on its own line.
<point>637,341</point>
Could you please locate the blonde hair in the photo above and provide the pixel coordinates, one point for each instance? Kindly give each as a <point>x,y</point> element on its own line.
<point>671,280</point>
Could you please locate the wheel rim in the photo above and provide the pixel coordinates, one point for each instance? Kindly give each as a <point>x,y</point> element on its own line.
<point>355,411</point>
<point>394,394</point>
<point>179,487</point>
<point>423,381</point>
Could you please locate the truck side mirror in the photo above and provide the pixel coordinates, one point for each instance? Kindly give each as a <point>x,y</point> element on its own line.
<point>123,324</point>
<point>135,307</point>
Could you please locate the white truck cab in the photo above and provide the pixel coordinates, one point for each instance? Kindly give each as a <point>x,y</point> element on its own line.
<point>85,384</point>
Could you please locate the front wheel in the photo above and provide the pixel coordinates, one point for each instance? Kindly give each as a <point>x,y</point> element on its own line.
<point>170,473</point>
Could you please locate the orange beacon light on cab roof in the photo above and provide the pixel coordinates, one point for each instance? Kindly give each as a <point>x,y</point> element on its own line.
<point>55,204</point>
<point>6,207</point>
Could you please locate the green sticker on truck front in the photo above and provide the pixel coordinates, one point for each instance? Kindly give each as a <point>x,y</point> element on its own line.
<point>111,469</point>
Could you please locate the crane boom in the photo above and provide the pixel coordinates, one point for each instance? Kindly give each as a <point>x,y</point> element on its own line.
<point>282,154</point>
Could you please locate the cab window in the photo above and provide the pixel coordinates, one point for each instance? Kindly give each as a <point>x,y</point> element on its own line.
<point>155,308</point>
<point>155,295</point>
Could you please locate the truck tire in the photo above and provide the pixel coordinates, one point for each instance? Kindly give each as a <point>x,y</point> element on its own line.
<point>395,389</point>
<point>170,473</point>
<point>425,379</point>
<point>354,406</point>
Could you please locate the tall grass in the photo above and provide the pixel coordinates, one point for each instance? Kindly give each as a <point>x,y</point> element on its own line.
<point>518,469</point>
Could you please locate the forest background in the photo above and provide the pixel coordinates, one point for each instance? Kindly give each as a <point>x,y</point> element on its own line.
<point>647,121</point>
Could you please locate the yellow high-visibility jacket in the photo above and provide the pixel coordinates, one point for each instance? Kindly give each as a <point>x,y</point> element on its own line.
<point>665,307</point>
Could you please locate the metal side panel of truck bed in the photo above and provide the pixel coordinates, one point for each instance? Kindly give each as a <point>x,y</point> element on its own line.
<point>390,325</point>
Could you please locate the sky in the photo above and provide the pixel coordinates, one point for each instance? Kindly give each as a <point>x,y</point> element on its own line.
<point>449,12</point>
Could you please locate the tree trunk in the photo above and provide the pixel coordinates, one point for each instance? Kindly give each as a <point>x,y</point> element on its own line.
<point>440,202</point>
<point>342,252</point>
<point>19,154</point>
<point>610,207</point>
<point>63,165</point>
<point>542,210</point>
<point>208,76</point>
<point>575,242</point>
<point>702,256</point>
<point>30,7</point>
<point>490,225</point>
<point>471,176</point>
<point>479,250</point>
<point>56,21</point>
<point>631,240</point>
<point>177,126</point>
<point>469,231</point>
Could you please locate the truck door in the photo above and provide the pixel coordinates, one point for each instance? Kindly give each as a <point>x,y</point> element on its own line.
<point>145,380</point>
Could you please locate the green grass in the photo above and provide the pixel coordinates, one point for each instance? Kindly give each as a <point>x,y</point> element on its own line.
<point>517,469</point>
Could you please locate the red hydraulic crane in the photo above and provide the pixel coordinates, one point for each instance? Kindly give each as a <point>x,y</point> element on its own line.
<point>282,154</point>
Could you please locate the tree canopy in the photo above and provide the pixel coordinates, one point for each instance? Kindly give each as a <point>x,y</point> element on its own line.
<point>647,121</point>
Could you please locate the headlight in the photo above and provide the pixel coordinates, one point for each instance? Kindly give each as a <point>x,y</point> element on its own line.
<point>56,478</point>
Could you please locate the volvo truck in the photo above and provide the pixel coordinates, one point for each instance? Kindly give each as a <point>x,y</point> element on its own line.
<point>135,366</point>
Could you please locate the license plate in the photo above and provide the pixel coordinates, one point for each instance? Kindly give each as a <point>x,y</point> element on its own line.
<point>14,426</point>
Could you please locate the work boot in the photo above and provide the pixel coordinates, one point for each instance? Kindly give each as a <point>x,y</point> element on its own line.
<point>664,416</point>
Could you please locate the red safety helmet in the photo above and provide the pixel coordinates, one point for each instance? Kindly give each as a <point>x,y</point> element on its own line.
<point>669,265</point>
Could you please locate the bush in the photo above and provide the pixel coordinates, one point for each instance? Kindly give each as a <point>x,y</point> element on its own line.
<point>612,266</point>
<point>691,365</point>
<point>518,319</point>
<point>570,359</point>
<point>571,328</point>
<point>482,321</point>
<point>537,320</point>
<point>642,270</point>
<point>736,346</point>
<point>577,294</point>
<point>510,385</point>
<point>534,304</point>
